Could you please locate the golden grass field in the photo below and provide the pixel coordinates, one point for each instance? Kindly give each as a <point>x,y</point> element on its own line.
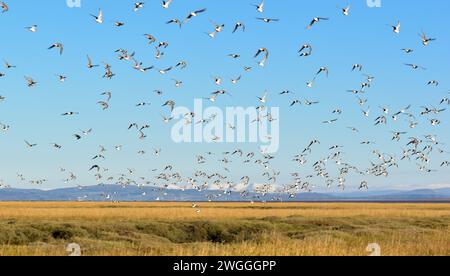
<point>243,229</point>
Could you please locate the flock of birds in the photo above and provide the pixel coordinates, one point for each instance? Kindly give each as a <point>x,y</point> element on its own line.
<point>419,149</point>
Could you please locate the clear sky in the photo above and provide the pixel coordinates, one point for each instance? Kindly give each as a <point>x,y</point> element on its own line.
<point>364,37</point>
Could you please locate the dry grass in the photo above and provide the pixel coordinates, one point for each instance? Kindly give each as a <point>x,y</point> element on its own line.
<point>177,211</point>
<point>224,228</point>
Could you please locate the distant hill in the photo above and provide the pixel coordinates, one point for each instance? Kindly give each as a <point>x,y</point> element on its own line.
<point>134,193</point>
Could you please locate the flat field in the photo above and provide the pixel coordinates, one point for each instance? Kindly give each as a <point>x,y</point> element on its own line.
<point>243,229</point>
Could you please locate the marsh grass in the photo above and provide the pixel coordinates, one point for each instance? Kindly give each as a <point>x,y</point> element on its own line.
<point>242,229</point>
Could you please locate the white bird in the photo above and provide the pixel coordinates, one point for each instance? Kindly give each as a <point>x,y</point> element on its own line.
<point>193,14</point>
<point>263,99</point>
<point>175,21</point>
<point>316,20</point>
<point>366,112</point>
<point>151,39</point>
<point>99,17</point>
<point>181,65</point>
<point>166,3</point>
<point>236,80</point>
<point>396,28</point>
<point>164,71</point>
<point>260,7</point>
<point>268,20</point>
<point>4,127</point>
<point>415,66</point>
<point>426,40</point>
<point>30,81</point>
<point>138,6</point>
<point>178,83</point>
<point>61,78</point>
<point>266,56</point>
<point>32,29</point>
<point>4,7</point>
<point>346,11</point>
<point>90,65</point>
<point>71,113</point>
<point>323,70</point>
<point>239,25</point>
<point>58,45</point>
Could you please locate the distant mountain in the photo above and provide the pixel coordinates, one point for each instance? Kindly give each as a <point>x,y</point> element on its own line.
<point>424,195</point>
<point>134,193</point>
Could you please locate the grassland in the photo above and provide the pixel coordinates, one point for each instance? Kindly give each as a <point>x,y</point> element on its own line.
<point>224,229</point>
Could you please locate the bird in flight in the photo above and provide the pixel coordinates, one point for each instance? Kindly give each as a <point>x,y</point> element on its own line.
<point>8,65</point>
<point>32,29</point>
<point>193,14</point>
<point>239,25</point>
<point>4,7</point>
<point>396,28</point>
<point>90,65</point>
<point>260,6</point>
<point>59,46</point>
<point>166,3</point>
<point>267,20</point>
<point>346,10</point>
<point>316,20</point>
<point>99,17</point>
<point>30,145</point>
<point>415,66</point>
<point>30,81</point>
<point>70,113</point>
<point>138,6</point>
<point>266,55</point>
<point>175,21</point>
<point>426,40</point>
<point>407,50</point>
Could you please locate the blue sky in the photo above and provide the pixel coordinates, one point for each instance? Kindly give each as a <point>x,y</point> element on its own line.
<point>364,37</point>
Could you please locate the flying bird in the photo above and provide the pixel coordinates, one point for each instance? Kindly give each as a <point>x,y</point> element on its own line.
<point>30,81</point>
<point>59,46</point>
<point>103,104</point>
<point>99,17</point>
<point>4,7</point>
<point>267,20</point>
<point>316,20</point>
<point>138,6</point>
<point>170,104</point>
<point>32,29</point>
<point>30,145</point>
<point>266,55</point>
<point>346,10</point>
<point>239,25</point>
<point>415,66</point>
<point>396,28</point>
<point>407,50</point>
<point>166,3</point>
<point>70,113</point>
<point>175,21</point>
<point>90,65</point>
<point>426,40</point>
<point>193,14</point>
<point>260,6</point>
